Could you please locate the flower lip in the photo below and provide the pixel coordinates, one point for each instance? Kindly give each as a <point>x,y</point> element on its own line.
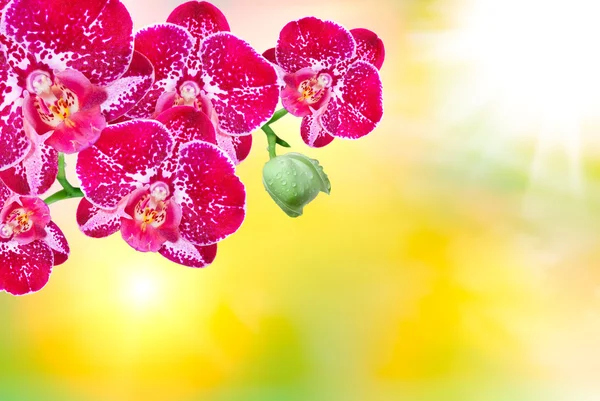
<point>24,219</point>
<point>306,90</point>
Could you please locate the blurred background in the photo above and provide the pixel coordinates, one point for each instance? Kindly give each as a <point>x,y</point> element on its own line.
<point>457,257</point>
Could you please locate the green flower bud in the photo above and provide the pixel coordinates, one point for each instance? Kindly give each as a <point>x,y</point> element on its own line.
<point>293,181</point>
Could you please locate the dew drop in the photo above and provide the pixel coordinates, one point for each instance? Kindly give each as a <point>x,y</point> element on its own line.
<point>284,182</point>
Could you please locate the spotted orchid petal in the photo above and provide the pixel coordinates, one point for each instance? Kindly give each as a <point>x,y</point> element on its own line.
<point>269,54</point>
<point>94,37</point>
<point>187,254</point>
<point>96,222</point>
<point>167,47</point>
<point>356,105</point>
<point>236,147</point>
<point>211,196</point>
<point>241,84</point>
<point>313,133</point>
<point>57,242</point>
<point>15,144</point>
<point>24,268</point>
<point>186,124</point>
<point>124,159</point>
<point>201,19</point>
<point>127,91</point>
<point>369,47</point>
<point>311,42</point>
<point>36,173</point>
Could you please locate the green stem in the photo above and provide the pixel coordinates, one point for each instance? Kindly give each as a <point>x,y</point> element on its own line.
<point>271,139</point>
<point>62,195</point>
<point>278,114</point>
<point>68,191</point>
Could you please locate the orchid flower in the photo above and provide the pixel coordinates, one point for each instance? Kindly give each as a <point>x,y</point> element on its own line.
<point>67,71</point>
<point>30,243</point>
<point>330,78</point>
<point>163,185</point>
<point>199,63</point>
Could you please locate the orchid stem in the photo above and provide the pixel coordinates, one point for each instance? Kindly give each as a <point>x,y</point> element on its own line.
<point>68,191</point>
<point>62,195</point>
<point>272,138</point>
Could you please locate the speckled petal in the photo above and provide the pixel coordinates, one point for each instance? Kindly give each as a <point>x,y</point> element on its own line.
<point>236,147</point>
<point>357,104</point>
<point>186,124</point>
<point>96,222</point>
<point>127,91</point>
<point>24,268</point>
<point>125,157</point>
<point>369,47</point>
<point>35,174</point>
<point>313,133</point>
<point>5,193</point>
<point>201,19</point>
<point>13,140</point>
<point>241,84</point>
<point>211,196</point>
<point>311,42</point>
<point>167,46</point>
<point>57,241</point>
<point>187,254</point>
<point>94,37</point>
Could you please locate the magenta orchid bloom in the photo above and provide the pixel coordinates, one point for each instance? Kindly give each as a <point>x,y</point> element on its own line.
<point>163,185</point>
<point>66,70</point>
<point>30,243</point>
<point>331,79</point>
<point>199,63</point>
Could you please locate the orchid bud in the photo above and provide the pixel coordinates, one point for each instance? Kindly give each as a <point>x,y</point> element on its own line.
<point>293,181</point>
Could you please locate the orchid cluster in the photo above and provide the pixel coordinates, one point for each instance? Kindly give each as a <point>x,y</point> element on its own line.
<point>159,119</point>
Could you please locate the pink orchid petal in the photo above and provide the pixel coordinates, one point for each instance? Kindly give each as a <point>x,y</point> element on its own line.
<point>13,139</point>
<point>58,243</point>
<point>201,19</point>
<point>94,37</point>
<point>35,174</point>
<point>5,193</point>
<point>24,268</point>
<point>269,54</point>
<point>187,254</point>
<point>236,147</point>
<point>211,196</point>
<point>96,222</point>
<point>186,124</point>
<point>167,47</point>
<point>369,47</point>
<point>313,133</point>
<point>81,132</point>
<point>88,94</point>
<point>241,84</point>
<point>127,91</point>
<point>311,42</point>
<point>357,104</point>
<point>124,158</point>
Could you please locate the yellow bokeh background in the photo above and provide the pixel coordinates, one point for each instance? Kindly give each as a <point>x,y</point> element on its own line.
<point>455,259</point>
